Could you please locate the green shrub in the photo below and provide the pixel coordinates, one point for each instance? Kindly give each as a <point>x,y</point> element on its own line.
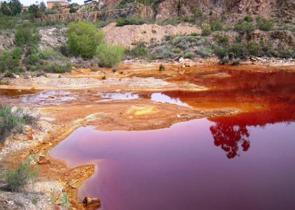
<point>171,21</point>
<point>188,54</point>
<point>83,39</point>
<point>140,51</point>
<point>221,39</point>
<point>238,50</point>
<point>17,179</point>
<point>26,35</point>
<point>46,60</point>
<point>248,19</point>
<point>254,49</point>
<point>206,29</point>
<point>8,22</point>
<point>130,21</point>
<point>221,52</point>
<point>109,55</point>
<point>163,52</point>
<point>204,52</point>
<point>244,27</point>
<point>12,121</point>
<point>10,61</point>
<point>263,24</point>
<point>55,67</point>
<point>216,25</point>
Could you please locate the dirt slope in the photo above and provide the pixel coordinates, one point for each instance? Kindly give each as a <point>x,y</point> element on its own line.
<point>130,35</point>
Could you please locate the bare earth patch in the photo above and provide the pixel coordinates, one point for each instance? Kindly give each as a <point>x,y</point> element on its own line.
<point>128,36</point>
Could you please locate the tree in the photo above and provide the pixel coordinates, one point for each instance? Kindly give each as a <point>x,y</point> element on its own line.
<point>74,7</point>
<point>83,39</point>
<point>12,8</point>
<point>37,11</point>
<point>5,9</point>
<point>15,6</point>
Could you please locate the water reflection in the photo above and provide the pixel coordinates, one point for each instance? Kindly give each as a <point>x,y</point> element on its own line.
<point>230,138</point>
<point>232,134</point>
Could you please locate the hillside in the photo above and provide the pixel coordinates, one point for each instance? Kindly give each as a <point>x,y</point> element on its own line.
<point>227,9</point>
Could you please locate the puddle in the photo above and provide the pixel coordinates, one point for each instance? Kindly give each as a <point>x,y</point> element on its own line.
<point>228,163</point>
<point>163,98</point>
<point>54,97</point>
<point>119,96</point>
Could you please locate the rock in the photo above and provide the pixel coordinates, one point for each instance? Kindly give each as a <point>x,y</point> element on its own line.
<point>92,202</point>
<point>42,160</point>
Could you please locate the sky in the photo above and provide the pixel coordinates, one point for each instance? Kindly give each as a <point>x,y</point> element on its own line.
<point>29,2</point>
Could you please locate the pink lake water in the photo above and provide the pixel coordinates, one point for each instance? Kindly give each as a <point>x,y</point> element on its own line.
<point>244,162</point>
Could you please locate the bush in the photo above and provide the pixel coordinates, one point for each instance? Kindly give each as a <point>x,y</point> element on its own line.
<point>22,175</point>
<point>12,121</point>
<point>8,22</point>
<point>263,24</point>
<point>10,61</point>
<point>130,21</point>
<point>248,19</point>
<point>109,55</point>
<point>221,39</point>
<point>140,51</point>
<point>204,52</point>
<point>221,52</point>
<point>216,25</point>
<point>254,49</point>
<point>206,29</point>
<point>56,67</point>
<point>83,39</point>
<point>238,50</point>
<point>188,55</point>
<point>244,27</point>
<point>26,35</point>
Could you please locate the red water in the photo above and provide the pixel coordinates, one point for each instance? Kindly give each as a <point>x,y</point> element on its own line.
<point>242,162</point>
<point>245,162</point>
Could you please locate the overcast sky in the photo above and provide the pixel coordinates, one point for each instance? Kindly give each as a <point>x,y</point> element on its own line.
<point>29,2</point>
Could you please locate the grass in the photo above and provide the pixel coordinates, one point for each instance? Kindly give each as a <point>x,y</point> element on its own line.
<point>12,120</point>
<point>18,178</point>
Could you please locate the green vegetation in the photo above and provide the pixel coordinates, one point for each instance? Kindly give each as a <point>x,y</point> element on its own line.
<point>216,25</point>
<point>37,10</point>
<point>221,39</point>
<point>130,21</point>
<point>83,39</point>
<point>86,41</point>
<point>26,35</point>
<point>11,8</point>
<point>245,27</point>
<point>181,46</point>
<point>206,29</point>
<point>263,24</point>
<point>47,61</point>
<point>65,201</point>
<point>12,121</point>
<point>140,51</point>
<point>10,61</point>
<point>109,55</point>
<point>17,179</point>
